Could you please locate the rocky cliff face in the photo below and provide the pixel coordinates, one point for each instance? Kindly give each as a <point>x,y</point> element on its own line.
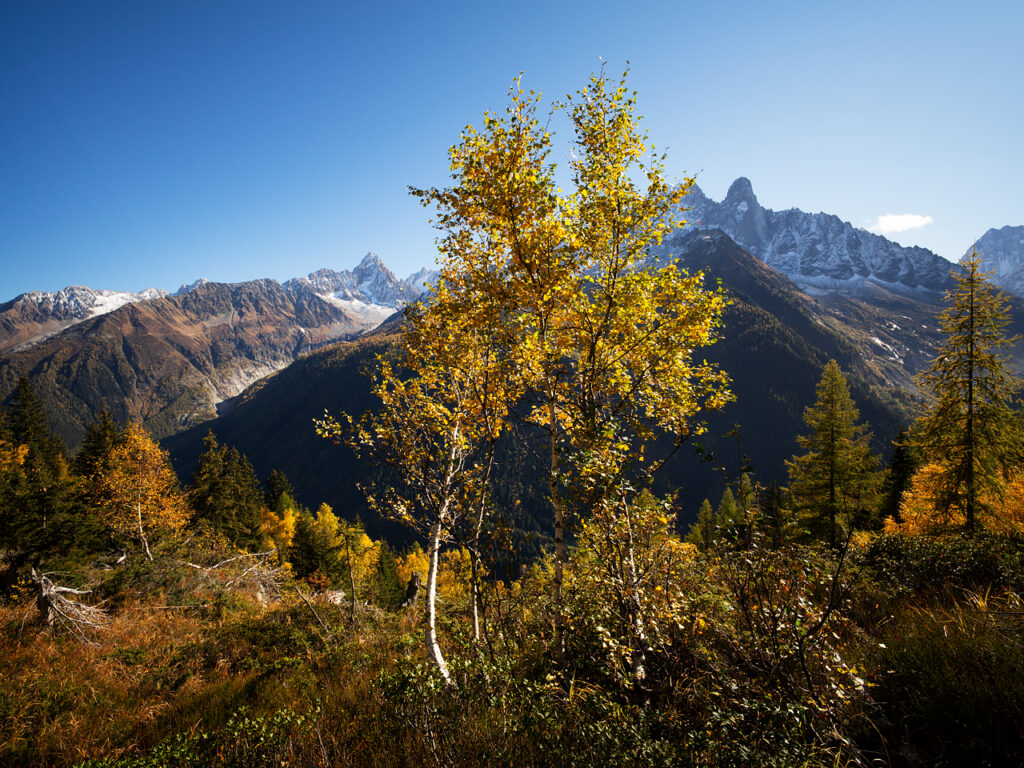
<point>1002,252</point>
<point>817,251</point>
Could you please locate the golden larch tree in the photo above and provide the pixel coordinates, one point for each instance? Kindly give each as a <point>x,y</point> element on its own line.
<point>138,490</point>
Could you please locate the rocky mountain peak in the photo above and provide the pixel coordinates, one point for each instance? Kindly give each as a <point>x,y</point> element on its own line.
<point>371,261</point>
<point>1002,253</point>
<point>818,252</point>
<point>188,288</point>
<point>741,192</point>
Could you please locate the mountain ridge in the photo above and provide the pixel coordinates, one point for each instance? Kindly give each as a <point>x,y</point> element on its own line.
<point>170,361</point>
<point>369,290</point>
<point>818,251</point>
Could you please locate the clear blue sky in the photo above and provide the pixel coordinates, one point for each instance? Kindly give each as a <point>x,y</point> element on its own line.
<point>152,143</point>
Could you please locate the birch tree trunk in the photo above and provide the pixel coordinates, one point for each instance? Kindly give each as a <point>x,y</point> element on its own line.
<point>433,649</point>
<point>142,533</point>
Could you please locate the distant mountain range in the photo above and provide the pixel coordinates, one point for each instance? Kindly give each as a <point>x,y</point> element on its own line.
<point>37,315</point>
<point>171,360</point>
<point>824,255</point>
<point>367,294</point>
<point>818,251</point>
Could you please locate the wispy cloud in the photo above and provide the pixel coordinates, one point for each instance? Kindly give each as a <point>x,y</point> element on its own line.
<point>899,222</point>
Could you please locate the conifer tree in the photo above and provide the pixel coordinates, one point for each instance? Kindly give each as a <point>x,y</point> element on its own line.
<point>316,549</point>
<point>727,515</point>
<point>37,519</point>
<point>226,493</point>
<point>970,429</point>
<point>139,490</point>
<point>836,477</point>
<point>100,439</point>
<point>277,487</point>
<point>702,534</point>
<point>900,473</point>
<point>389,591</point>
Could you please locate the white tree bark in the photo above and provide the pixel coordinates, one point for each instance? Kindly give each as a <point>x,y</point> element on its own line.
<point>142,533</point>
<point>433,649</point>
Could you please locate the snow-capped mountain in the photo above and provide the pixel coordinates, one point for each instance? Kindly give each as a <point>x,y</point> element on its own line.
<point>368,294</point>
<point>78,301</point>
<point>370,283</point>
<point>370,291</point>
<point>1002,252</point>
<point>817,251</point>
<point>37,315</point>
<point>190,287</point>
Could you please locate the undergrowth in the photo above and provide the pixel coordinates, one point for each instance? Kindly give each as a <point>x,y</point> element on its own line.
<point>188,673</point>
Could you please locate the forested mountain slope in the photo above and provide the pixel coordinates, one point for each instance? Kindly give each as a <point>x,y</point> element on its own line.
<point>169,361</point>
<point>774,344</point>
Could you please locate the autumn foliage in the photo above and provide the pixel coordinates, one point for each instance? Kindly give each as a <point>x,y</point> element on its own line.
<point>138,492</point>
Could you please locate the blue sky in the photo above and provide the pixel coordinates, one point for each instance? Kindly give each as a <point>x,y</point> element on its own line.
<point>150,143</point>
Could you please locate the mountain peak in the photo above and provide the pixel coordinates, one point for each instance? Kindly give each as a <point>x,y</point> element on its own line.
<point>189,287</point>
<point>817,251</point>
<point>741,191</point>
<point>371,260</point>
<point>1002,253</point>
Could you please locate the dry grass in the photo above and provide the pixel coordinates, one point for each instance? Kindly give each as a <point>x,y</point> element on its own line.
<point>64,700</point>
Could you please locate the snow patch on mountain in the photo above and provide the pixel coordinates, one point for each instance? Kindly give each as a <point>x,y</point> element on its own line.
<point>366,314</point>
<point>107,301</point>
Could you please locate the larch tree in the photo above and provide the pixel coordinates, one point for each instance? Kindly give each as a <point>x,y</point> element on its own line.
<point>702,533</point>
<point>601,342</point>
<point>837,474</point>
<point>138,489</point>
<point>970,429</point>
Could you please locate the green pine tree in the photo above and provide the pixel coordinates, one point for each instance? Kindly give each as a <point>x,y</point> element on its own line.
<point>226,493</point>
<point>38,522</point>
<point>277,488</point>
<point>728,517</point>
<point>902,466</point>
<point>103,434</point>
<point>970,428</point>
<point>314,550</point>
<point>836,477</point>
<point>388,588</point>
<point>702,534</point>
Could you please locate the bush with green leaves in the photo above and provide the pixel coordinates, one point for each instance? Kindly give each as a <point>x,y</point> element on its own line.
<point>934,564</point>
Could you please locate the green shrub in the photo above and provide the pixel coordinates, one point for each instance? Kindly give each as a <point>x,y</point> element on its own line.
<point>245,741</point>
<point>929,564</point>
